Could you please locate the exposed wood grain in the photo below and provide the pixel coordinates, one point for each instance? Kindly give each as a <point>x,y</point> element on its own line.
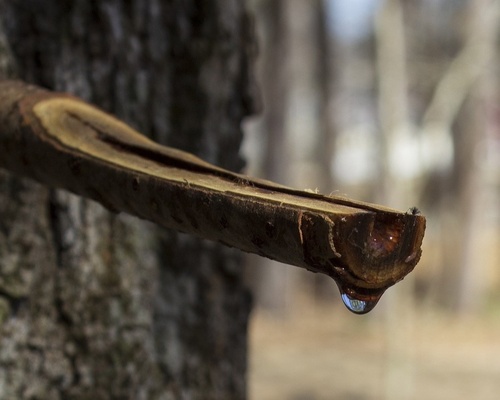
<point>64,142</point>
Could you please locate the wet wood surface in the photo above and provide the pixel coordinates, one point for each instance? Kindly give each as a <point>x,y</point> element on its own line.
<point>63,142</point>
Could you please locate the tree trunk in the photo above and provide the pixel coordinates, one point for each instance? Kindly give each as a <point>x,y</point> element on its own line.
<point>104,306</point>
<point>268,278</point>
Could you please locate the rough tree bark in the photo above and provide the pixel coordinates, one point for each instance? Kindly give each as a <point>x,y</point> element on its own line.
<point>96,305</point>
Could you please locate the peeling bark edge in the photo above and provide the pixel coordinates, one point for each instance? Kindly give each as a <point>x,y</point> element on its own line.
<point>63,142</point>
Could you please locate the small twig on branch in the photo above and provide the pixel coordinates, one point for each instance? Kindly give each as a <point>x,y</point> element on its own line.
<point>64,142</point>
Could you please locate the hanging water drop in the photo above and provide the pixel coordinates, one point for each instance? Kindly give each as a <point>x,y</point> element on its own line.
<point>358,306</point>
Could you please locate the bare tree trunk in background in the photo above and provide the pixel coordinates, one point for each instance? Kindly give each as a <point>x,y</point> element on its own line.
<point>392,99</point>
<point>104,306</point>
<point>323,83</point>
<point>462,283</point>
<point>269,281</point>
<point>295,138</point>
<point>392,188</point>
<point>471,283</point>
<point>472,127</point>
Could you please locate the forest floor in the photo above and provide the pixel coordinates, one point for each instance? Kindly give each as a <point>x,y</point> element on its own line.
<point>321,351</point>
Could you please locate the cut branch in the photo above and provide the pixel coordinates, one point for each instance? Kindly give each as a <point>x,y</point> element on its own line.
<point>64,142</point>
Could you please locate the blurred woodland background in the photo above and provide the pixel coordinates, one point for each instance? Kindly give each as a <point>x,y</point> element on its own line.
<point>395,102</point>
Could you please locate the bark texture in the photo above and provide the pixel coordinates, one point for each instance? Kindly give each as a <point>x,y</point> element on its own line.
<point>95,305</point>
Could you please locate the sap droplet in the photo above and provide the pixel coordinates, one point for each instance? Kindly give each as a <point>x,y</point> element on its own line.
<point>358,306</point>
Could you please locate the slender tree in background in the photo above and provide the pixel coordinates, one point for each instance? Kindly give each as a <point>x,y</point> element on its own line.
<point>455,123</point>
<point>395,125</point>
<point>270,284</point>
<point>294,131</point>
<point>104,306</point>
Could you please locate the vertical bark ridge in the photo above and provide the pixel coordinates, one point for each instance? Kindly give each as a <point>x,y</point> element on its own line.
<point>105,305</point>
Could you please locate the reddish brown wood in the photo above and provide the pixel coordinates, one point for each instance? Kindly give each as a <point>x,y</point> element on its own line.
<point>64,142</point>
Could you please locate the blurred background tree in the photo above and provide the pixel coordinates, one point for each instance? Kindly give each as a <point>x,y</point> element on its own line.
<point>391,101</point>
